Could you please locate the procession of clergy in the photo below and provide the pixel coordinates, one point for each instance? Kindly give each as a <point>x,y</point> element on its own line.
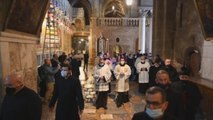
<point>169,95</point>
<point>119,68</point>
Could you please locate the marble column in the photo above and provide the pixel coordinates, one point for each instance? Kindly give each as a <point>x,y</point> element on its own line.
<point>142,27</point>
<point>150,35</point>
<point>144,41</point>
<point>92,41</point>
<point>143,35</point>
<point>18,54</point>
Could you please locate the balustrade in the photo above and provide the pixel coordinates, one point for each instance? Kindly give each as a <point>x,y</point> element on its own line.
<point>130,22</point>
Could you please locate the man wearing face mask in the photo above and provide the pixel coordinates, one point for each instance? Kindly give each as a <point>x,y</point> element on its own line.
<point>143,71</point>
<point>102,76</point>
<point>163,81</point>
<point>156,105</point>
<point>68,94</point>
<point>122,73</point>
<point>20,102</point>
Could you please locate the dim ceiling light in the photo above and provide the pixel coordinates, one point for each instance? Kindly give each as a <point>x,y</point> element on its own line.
<point>129,2</point>
<point>113,7</point>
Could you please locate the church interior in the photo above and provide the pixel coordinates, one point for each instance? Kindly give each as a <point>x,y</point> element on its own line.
<point>181,30</point>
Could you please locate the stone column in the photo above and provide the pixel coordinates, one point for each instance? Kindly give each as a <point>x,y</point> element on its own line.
<point>92,41</point>
<point>18,54</point>
<point>150,35</point>
<point>1,82</point>
<point>143,39</point>
<point>142,33</point>
<point>159,27</point>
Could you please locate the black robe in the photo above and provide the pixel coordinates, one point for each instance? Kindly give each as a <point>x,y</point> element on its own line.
<point>75,64</point>
<point>152,75</point>
<point>172,72</point>
<point>189,98</point>
<point>24,105</point>
<point>68,93</point>
<point>144,116</point>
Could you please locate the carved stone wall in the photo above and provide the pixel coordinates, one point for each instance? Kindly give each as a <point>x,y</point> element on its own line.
<point>176,29</point>
<point>127,36</point>
<point>18,53</point>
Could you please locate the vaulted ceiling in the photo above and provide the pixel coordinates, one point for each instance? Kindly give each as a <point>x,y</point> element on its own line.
<point>85,4</point>
<point>119,8</point>
<point>23,15</point>
<point>20,15</point>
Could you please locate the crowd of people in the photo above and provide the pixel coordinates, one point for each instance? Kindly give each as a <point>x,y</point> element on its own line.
<point>169,95</point>
<point>171,92</point>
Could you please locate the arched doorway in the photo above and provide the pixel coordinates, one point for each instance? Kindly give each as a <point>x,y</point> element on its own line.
<point>80,44</point>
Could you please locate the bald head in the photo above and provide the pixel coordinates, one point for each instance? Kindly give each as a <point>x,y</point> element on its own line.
<point>13,80</point>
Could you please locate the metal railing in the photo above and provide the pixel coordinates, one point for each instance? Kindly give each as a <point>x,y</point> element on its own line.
<point>130,22</point>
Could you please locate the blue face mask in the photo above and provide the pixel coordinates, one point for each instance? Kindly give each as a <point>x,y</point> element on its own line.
<point>64,73</point>
<point>156,113</point>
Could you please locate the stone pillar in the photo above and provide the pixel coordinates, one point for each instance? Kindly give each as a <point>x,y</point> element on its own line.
<point>144,41</point>
<point>159,27</point>
<point>142,33</point>
<point>18,53</point>
<point>92,41</point>
<point>1,82</point>
<point>150,36</point>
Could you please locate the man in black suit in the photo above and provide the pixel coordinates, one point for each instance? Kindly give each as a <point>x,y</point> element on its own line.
<point>155,107</point>
<point>20,102</point>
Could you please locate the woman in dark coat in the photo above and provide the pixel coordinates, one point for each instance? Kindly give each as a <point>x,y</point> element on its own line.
<point>68,93</point>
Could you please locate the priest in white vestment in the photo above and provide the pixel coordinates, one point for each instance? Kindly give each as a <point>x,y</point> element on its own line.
<point>122,73</point>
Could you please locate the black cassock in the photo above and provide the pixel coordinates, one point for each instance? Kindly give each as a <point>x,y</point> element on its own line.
<point>24,105</point>
<point>68,94</point>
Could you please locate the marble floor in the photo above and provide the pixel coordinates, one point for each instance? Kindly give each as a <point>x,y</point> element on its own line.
<point>125,112</point>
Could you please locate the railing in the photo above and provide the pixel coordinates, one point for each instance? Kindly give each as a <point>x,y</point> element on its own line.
<point>130,22</point>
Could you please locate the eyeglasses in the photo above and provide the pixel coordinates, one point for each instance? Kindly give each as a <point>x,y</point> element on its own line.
<point>154,103</point>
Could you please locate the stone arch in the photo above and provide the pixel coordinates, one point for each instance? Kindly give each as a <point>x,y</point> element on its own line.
<point>120,8</point>
<point>192,60</point>
<point>86,5</point>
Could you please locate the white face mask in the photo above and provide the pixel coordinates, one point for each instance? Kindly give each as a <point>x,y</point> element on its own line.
<point>122,62</point>
<point>64,73</point>
<point>154,113</point>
